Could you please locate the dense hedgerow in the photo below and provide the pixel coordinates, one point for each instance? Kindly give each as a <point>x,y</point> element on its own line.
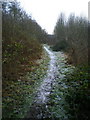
<point>21,48</point>
<point>21,41</point>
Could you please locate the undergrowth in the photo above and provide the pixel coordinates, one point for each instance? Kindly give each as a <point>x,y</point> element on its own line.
<point>77,94</point>
<point>18,95</point>
<point>69,99</point>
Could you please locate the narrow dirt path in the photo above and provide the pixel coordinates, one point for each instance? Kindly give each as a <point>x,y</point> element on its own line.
<point>39,109</point>
<point>46,86</point>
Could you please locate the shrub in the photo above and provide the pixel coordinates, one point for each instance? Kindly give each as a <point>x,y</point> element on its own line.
<point>62,45</point>
<point>77,95</point>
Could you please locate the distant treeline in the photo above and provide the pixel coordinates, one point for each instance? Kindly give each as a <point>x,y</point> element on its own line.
<point>21,40</point>
<point>72,36</point>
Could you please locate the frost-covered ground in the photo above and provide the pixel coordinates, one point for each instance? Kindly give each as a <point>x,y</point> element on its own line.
<point>57,104</point>
<point>49,98</point>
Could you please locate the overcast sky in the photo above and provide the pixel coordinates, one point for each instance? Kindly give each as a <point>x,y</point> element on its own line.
<point>46,12</point>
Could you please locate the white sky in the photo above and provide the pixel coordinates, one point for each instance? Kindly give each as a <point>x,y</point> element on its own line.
<point>46,12</point>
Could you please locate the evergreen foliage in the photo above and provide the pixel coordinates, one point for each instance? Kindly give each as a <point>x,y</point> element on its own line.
<point>62,45</point>
<point>77,94</point>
